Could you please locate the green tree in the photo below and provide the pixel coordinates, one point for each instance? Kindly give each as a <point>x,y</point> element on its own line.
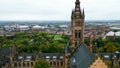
<point>87,42</point>
<point>99,42</point>
<point>35,42</point>
<point>41,63</point>
<point>110,47</point>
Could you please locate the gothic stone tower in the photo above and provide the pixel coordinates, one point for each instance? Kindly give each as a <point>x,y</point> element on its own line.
<point>77,23</point>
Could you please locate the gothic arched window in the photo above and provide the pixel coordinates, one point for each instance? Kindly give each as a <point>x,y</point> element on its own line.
<point>79,34</point>
<point>76,33</point>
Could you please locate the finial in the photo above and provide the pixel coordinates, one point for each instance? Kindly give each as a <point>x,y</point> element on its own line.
<point>83,13</point>
<point>77,2</point>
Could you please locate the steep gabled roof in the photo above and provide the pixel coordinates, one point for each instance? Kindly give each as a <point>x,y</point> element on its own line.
<point>6,51</point>
<point>81,58</point>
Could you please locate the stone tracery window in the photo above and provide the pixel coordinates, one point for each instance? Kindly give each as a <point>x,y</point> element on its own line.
<point>77,34</point>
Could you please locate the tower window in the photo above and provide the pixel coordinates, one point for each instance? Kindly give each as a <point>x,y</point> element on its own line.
<point>75,34</point>
<point>79,34</point>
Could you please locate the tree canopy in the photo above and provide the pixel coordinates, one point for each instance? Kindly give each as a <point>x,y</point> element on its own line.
<point>41,63</point>
<point>36,42</point>
<point>105,45</point>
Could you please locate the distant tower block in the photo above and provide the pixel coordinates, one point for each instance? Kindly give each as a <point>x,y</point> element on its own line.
<point>77,23</point>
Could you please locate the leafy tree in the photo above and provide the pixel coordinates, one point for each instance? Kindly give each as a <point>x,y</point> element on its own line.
<point>101,49</point>
<point>35,42</point>
<point>110,47</point>
<point>99,42</point>
<point>41,63</point>
<point>87,42</point>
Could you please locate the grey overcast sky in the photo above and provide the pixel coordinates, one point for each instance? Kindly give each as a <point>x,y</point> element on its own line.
<point>58,9</point>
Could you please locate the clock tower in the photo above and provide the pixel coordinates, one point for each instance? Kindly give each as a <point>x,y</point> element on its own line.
<point>77,39</point>
<point>77,24</point>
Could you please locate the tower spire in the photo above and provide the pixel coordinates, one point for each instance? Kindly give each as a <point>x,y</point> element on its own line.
<point>77,1</point>
<point>77,9</point>
<point>77,5</point>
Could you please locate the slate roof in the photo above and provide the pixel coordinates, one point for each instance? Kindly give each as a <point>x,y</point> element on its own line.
<point>6,51</point>
<point>81,58</point>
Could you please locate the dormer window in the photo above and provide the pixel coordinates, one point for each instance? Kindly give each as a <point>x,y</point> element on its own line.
<point>47,57</point>
<point>73,60</point>
<point>29,57</point>
<point>61,57</point>
<point>54,58</point>
<point>20,57</point>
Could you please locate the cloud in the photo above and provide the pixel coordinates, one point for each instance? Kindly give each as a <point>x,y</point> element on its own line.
<point>57,9</point>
